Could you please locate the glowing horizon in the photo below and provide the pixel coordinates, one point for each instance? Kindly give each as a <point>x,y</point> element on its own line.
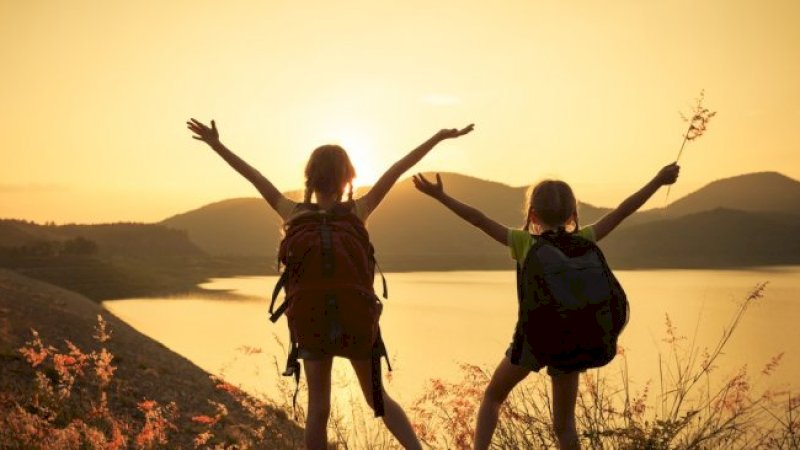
<point>96,96</point>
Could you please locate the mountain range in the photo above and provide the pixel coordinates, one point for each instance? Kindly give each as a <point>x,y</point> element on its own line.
<point>746,220</point>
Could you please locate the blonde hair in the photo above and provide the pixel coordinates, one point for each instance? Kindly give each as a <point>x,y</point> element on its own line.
<point>554,204</point>
<point>329,171</point>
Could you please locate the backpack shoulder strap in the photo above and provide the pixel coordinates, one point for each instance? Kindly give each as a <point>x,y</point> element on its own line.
<point>538,242</point>
<point>347,207</point>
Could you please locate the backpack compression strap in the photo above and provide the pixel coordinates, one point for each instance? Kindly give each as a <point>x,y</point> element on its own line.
<point>378,352</point>
<point>326,244</point>
<point>293,370</point>
<point>275,315</point>
<point>383,279</point>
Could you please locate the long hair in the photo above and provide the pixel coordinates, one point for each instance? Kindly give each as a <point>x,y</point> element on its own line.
<point>329,171</point>
<point>553,202</point>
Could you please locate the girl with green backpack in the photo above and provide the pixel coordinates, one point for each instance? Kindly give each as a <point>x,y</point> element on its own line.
<point>551,215</point>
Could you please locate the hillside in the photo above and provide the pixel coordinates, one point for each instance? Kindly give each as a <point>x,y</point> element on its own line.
<point>106,261</point>
<point>145,369</point>
<point>240,226</point>
<point>412,232</point>
<point>754,192</point>
<point>247,226</point>
<point>719,238</point>
<point>129,239</point>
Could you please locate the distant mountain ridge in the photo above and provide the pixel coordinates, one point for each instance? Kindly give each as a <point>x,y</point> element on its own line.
<point>130,239</point>
<point>412,232</point>
<point>119,260</point>
<point>720,238</point>
<point>755,192</point>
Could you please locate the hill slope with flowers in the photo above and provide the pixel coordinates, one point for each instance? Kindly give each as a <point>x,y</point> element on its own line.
<point>85,379</point>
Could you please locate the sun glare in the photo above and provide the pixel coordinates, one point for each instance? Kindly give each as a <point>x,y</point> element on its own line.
<point>362,153</point>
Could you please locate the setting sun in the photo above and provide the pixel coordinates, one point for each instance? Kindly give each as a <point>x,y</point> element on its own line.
<point>362,152</point>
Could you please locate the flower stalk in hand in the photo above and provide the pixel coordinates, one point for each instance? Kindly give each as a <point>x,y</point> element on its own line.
<point>697,126</point>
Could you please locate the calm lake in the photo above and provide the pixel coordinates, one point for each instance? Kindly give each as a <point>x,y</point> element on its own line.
<point>433,321</point>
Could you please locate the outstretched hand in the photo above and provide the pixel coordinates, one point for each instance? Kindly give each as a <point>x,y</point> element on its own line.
<point>435,190</point>
<point>449,133</point>
<point>203,133</point>
<point>668,174</point>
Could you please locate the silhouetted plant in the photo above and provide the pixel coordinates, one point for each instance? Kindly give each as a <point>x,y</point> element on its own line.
<point>698,121</point>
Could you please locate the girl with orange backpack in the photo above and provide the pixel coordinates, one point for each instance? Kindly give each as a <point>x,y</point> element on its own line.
<point>329,265</point>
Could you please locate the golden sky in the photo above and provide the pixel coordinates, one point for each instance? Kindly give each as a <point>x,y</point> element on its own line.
<point>94,94</point>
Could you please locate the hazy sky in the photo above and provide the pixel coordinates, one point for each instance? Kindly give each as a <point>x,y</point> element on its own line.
<point>94,94</point>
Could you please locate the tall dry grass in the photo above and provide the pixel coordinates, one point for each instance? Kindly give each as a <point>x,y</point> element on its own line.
<point>685,408</point>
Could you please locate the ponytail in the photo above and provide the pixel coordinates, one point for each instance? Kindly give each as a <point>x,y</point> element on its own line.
<point>527,225</point>
<point>308,192</point>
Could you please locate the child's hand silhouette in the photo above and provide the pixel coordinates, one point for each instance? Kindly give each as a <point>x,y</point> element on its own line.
<point>668,174</point>
<point>204,133</point>
<point>450,133</point>
<point>423,185</point>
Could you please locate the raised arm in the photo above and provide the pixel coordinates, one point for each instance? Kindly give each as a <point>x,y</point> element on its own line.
<point>211,137</point>
<point>375,195</point>
<point>496,231</point>
<point>667,175</point>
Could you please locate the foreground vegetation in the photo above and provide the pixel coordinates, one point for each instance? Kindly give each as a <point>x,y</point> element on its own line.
<point>685,409</point>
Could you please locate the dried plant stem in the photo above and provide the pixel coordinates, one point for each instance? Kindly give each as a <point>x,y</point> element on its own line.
<point>697,126</point>
<point>680,152</point>
<point>685,140</point>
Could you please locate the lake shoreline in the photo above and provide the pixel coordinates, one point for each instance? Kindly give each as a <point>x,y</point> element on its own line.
<point>103,280</point>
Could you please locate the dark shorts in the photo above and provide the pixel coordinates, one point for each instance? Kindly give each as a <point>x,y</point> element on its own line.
<point>312,355</point>
<point>528,361</point>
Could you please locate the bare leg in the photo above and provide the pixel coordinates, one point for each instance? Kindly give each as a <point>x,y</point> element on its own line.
<point>394,417</point>
<point>565,393</point>
<point>318,377</point>
<point>505,377</point>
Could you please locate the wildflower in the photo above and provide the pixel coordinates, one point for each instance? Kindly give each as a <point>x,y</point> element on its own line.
<point>101,333</point>
<point>102,366</point>
<point>34,350</point>
<point>698,122</point>
<point>735,394</point>
<point>146,406</point>
<point>202,438</point>
<point>671,332</point>
<point>158,422</point>
<point>205,420</point>
<point>227,387</point>
<point>68,366</point>
<point>772,364</point>
<point>79,359</point>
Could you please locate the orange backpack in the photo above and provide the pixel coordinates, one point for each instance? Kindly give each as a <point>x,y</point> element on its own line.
<point>330,304</point>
